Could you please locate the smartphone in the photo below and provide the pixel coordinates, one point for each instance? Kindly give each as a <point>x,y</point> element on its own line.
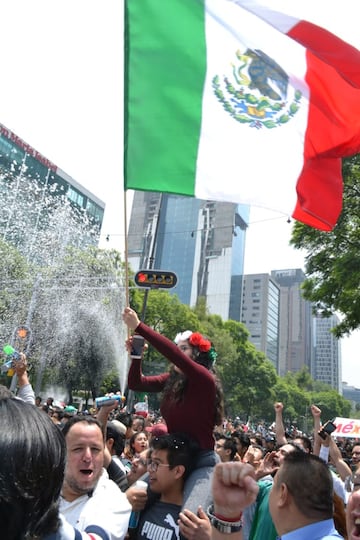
<point>327,428</point>
<point>137,346</point>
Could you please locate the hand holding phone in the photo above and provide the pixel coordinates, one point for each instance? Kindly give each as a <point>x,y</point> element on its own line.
<point>327,429</point>
<point>137,346</point>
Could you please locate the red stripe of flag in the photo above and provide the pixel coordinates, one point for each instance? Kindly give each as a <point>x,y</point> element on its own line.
<point>333,130</point>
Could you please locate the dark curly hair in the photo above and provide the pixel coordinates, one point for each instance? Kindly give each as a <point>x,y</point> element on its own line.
<point>176,385</point>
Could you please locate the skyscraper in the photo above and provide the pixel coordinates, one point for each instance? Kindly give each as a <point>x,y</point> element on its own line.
<point>260,314</point>
<point>282,326</point>
<point>295,340</point>
<point>203,242</point>
<point>327,365</point>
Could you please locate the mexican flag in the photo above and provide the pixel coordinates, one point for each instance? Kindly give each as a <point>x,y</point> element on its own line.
<point>229,100</point>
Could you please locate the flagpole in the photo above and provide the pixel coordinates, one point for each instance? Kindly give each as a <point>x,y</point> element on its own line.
<point>126,257</point>
<point>130,394</point>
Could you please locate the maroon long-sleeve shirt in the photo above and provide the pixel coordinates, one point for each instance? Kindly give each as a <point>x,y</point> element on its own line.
<point>195,414</point>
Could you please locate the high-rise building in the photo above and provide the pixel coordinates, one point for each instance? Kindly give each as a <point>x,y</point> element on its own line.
<point>282,326</point>
<point>351,393</point>
<point>295,339</point>
<point>42,208</point>
<point>203,242</point>
<point>327,365</point>
<point>260,314</point>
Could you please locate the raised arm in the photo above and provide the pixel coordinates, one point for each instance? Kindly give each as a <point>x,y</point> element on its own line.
<point>342,467</point>
<point>25,390</point>
<point>279,424</point>
<point>233,489</point>
<point>167,348</point>
<point>316,413</point>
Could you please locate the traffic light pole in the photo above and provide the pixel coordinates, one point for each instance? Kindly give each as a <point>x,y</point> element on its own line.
<point>151,258</point>
<point>131,394</point>
<point>144,306</point>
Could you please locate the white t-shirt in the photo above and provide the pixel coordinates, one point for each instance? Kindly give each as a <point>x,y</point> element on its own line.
<point>107,508</point>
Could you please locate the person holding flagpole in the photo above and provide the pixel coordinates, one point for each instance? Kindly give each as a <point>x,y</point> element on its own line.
<point>192,400</point>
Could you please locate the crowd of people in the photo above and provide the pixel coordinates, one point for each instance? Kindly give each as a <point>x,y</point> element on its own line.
<point>188,473</point>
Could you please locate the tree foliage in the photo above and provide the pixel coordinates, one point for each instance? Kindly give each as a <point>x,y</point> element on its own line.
<point>248,377</point>
<point>15,289</point>
<point>83,328</point>
<point>333,260</point>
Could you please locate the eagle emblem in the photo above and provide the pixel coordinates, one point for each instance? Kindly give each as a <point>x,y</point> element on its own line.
<point>256,93</point>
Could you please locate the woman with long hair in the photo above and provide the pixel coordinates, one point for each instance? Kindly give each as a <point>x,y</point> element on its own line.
<point>138,442</point>
<point>192,398</point>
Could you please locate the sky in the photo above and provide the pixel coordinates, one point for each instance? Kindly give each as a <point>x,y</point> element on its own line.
<point>62,92</point>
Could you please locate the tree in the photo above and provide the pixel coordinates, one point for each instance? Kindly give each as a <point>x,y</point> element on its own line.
<point>331,404</point>
<point>296,400</point>
<point>17,279</point>
<point>78,327</point>
<point>333,260</point>
<point>166,314</point>
<point>248,377</point>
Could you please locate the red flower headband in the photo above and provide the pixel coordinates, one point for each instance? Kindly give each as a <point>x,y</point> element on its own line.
<point>197,340</point>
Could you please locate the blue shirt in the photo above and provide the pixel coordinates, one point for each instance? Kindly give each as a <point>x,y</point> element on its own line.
<point>321,530</point>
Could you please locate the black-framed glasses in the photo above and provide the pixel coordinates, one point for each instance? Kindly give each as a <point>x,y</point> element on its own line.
<point>154,465</point>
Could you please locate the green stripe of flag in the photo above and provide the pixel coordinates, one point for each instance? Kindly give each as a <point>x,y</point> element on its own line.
<point>165,64</point>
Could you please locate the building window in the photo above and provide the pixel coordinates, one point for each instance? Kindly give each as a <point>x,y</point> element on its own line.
<point>75,196</point>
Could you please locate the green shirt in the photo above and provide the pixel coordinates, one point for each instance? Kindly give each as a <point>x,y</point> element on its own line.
<point>262,527</point>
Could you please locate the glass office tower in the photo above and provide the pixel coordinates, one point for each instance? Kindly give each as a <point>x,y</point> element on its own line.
<point>203,242</point>
<point>42,208</point>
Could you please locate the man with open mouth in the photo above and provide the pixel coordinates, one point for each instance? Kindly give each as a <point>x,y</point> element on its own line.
<point>88,495</point>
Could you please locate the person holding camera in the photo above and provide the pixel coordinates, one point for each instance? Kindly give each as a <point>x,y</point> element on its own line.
<point>192,400</point>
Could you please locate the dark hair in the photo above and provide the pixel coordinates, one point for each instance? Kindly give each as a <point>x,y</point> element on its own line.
<point>32,465</point>
<point>203,358</point>
<point>59,412</point>
<point>181,450</point>
<point>117,436</point>
<point>243,438</point>
<point>309,481</point>
<point>5,392</point>
<point>298,448</point>
<point>175,387</point>
<point>229,444</point>
<point>125,418</point>
<point>129,451</point>
<point>306,442</point>
<point>141,419</point>
<point>259,447</point>
<point>81,418</point>
<point>258,439</point>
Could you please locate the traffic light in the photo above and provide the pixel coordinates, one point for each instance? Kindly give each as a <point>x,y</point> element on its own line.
<point>155,279</point>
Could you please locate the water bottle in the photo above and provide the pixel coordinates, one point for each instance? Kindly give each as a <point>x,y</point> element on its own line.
<point>108,400</point>
<point>135,515</point>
